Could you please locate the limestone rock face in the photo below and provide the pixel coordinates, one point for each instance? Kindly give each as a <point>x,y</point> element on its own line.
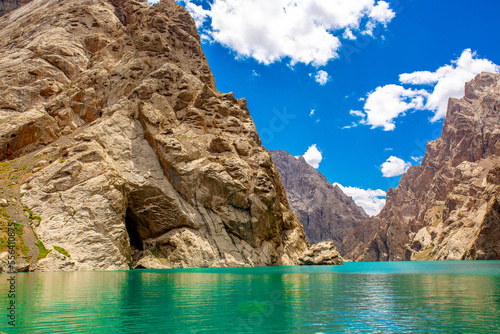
<point>322,253</point>
<point>21,263</point>
<point>448,207</point>
<point>118,150</point>
<point>324,210</point>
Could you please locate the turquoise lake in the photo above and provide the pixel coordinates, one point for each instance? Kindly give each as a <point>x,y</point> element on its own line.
<point>390,297</point>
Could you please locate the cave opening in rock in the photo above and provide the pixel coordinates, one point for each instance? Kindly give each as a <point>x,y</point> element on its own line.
<point>131,225</point>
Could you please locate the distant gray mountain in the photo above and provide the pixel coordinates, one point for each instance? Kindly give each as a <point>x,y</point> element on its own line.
<point>324,210</point>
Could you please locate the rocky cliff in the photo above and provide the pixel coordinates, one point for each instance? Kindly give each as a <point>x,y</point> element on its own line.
<point>118,151</point>
<point>449,207</point>
<point>324,210</point>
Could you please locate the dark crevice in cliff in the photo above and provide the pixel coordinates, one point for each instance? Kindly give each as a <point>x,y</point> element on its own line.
<point>135,238</point>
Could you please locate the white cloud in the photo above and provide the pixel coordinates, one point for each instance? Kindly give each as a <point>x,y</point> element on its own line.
<point>382,13</point>
<point>357,113</point>
<point>322,77</point>
<point>300,31</point>
<point>311,114</point>
<point>420,77</point>
<point>255,74</point>
<point>388,149</point>
<point>372,201</point>
<point>199,14</point>
<point>370,26</point>
<point>348,34</point>
<point>353,125</point>
<point>449,80</point>
<point>394,166</point>
<point>417,159</point>
<point>389,102</point>
<point>313,156</point>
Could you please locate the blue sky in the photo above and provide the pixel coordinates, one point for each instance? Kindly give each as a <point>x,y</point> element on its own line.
<point>357,86</point>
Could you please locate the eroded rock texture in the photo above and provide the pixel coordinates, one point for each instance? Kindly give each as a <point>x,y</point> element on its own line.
<point>324,210</point>
<point>120,153</point>
<point>322,253</point>
<point>448,208</point>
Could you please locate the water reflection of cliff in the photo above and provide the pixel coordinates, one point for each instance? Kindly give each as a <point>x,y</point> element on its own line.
<point>256,301</point>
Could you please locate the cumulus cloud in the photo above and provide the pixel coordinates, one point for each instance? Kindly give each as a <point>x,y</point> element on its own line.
<point>394,166</point>
<point>386,103</point>
<point>348,34</point>
<point>322,77</point>
<point>300,31</point>
<point>449,80</point>
<point>313,156</point>
<point>372,201</point>
<point>389,102</point>
<point>199,14</point>
<point>382,13</point>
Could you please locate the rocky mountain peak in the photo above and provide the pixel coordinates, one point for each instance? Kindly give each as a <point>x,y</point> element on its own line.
<point>442,208</point>
<point>324,210</point>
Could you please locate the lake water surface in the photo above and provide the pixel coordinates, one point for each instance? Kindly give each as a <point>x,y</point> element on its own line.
<point>390,297</point>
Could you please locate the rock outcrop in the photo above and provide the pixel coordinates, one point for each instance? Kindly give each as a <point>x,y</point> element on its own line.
<point>448,208</point>
<point>118,151</point>
<point>322,253</point>
<point>324,210</point>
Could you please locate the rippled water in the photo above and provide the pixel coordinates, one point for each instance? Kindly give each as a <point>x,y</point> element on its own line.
<point>394,297</point>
